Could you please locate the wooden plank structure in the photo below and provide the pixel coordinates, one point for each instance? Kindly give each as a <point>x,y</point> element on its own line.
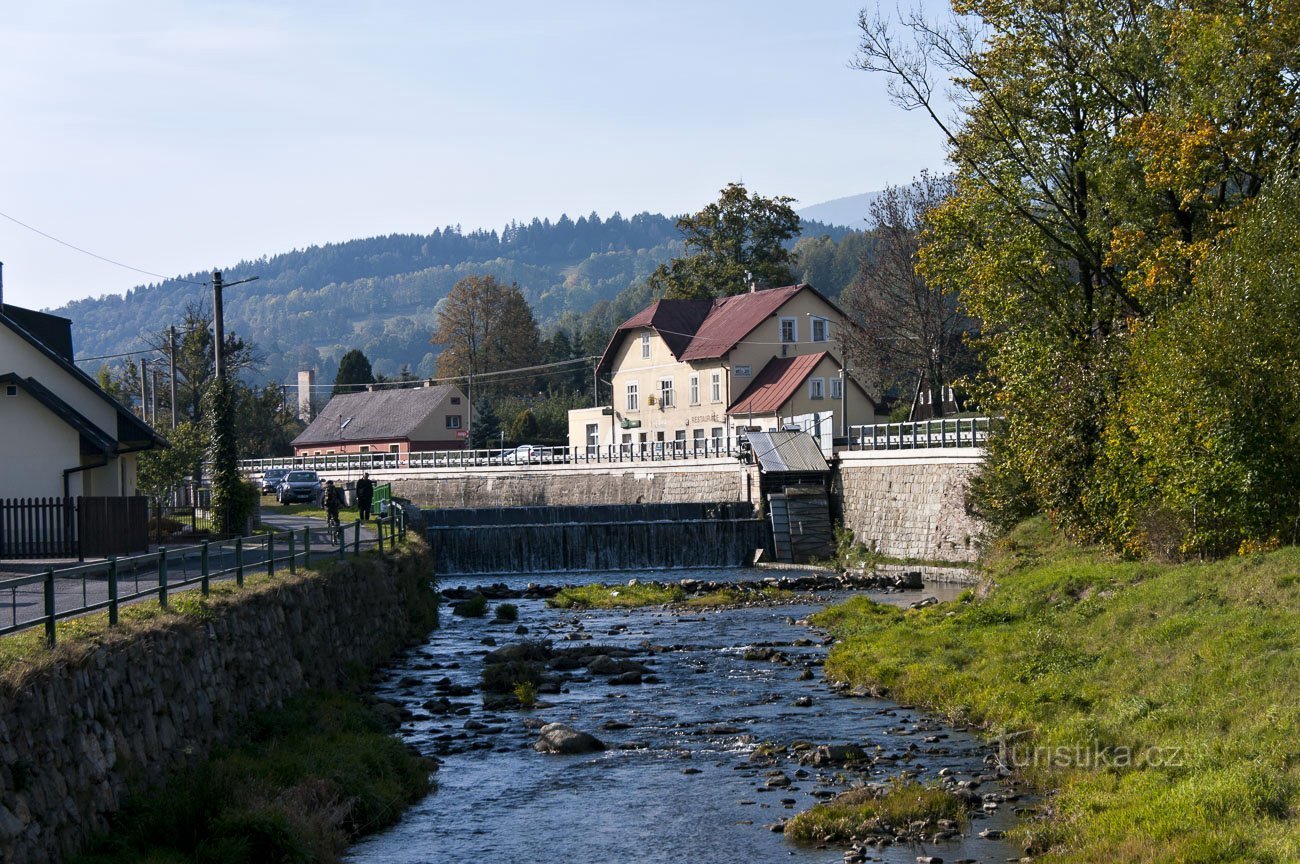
<point>37,528</point>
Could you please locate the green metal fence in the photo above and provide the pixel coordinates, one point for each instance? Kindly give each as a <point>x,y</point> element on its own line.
<point>56,594</point>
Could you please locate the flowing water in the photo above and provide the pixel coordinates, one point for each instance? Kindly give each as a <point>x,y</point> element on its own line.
<point>678,783</point>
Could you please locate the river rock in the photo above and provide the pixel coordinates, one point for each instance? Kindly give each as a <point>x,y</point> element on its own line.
<point>558,738</point>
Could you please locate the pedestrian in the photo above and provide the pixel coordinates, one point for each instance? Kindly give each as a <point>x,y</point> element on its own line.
<point>365,494</point>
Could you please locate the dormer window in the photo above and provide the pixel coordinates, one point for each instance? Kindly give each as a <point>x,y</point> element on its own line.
<point>645,346</point>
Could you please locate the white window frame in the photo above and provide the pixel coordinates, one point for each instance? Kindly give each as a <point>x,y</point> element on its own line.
<point>666,396</point>
<point>794,330</point>
<point>645,346</point>
<point>837,387</point>
<point>717,387</point>
<point>453,421</point>
<point>817,388</point>
<point>695,389</point>
<point>633,396</point>
<point>743,371</point>
<point>824,325</point>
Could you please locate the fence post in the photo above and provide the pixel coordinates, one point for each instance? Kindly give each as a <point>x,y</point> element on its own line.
<point>270,553</point>
<point>112,592</point>
<point>203,569</point>
<point>293,564</point>
<point>162,578</point>
<point>306,547</point>
<point>239,561</point>
<point>343,542</point>
<point>379,532</point>
<point>49,605</point>
<point>356,537</point>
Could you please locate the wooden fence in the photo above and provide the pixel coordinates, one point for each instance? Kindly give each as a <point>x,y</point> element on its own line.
<point>73,527</point>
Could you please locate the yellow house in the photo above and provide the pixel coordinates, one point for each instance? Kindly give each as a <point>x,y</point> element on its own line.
<point>688,374</point>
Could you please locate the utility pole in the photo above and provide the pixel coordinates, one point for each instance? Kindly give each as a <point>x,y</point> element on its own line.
<point>171,350</point>
<point>144,389</point>
<point>218,325</point>
<point>153,394</point>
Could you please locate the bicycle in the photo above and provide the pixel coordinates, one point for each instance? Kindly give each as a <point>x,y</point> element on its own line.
<point>335,529</point>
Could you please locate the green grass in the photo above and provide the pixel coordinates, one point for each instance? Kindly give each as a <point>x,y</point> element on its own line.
<point>860,813</point>
<point>273,507</point>
<point>305,780</point>
<point>1162,701</point>
<point>634,596</point>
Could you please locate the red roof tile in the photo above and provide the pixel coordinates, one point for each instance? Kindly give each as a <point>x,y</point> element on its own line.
<point>775,384</point>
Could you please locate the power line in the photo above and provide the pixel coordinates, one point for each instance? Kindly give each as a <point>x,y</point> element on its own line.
<point>122,354</point>
<point>100,257</point>
<point>415,382</point>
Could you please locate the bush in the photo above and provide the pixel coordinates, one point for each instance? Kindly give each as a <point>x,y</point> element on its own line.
<point>505,677</point>
<point>507,612</point>
<point>474,607</point>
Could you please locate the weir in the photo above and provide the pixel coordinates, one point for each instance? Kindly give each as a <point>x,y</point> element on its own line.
<point>592,538</point>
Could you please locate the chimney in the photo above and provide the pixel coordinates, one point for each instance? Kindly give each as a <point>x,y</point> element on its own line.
<point>306,382</point>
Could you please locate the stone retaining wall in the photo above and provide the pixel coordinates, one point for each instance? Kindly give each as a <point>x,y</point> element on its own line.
<point>911,506</point>
<point>645,483</point>
<point>78,729</point>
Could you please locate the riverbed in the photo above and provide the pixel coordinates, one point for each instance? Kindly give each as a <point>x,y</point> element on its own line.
<point>680,781</point>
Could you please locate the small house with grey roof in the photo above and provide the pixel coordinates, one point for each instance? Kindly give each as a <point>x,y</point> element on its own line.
<point>388,420</point>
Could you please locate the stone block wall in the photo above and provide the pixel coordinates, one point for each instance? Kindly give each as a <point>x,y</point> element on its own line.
<point>910,506</point>
<point>645,483</point>
<point>143,703</point>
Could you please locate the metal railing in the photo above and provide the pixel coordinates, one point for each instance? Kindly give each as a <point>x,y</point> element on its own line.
<point>923,434</point>
<point>648,451</point>
<point>101,585</point>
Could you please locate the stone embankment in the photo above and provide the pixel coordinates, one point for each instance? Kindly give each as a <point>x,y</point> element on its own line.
<point>97,719</point>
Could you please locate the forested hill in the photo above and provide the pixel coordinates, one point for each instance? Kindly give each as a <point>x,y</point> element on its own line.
<point>380,294</point>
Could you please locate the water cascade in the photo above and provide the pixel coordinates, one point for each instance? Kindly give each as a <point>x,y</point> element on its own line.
<point>596,537</point>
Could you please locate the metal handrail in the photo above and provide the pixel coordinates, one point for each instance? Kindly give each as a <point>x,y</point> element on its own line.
<point>215,560</point>
<point>923,434</point>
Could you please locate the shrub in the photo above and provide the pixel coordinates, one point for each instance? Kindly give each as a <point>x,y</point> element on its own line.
<point>474,607</point>
<point>507,612</point>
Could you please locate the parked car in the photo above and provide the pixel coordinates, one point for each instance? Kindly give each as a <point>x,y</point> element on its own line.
<point>299,486</point>
<point>524,454</point>
<point>272,479</point>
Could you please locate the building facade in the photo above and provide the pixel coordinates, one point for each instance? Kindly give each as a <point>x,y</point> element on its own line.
<point>388,420</point>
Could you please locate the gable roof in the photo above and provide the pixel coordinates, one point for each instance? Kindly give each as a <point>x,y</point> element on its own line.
<point>91,435</point>
<point>706,329</point>
<point>786,452</point>
<point>390,412</point>
<point>132,432</point>
<point>775,384</point>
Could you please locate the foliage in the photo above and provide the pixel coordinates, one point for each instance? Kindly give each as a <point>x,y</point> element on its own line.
<point>485,431</point>
<point>613,597</point>
<point>304,780</point>
<point>163,468</point>
<point>862,812</point>
<point>1158,699</point>
<point>524,427</point>
<point>1101,150</point>
<point>1211,413</point>
<point>525,693</point>
<point>506,612</point>
<point>912,329</point>
<point>736,240</point>
<point>486,326</point>
<point>507,675</point>
<point>354,371</point>
<point>229,507</point>
<point>474,607</point>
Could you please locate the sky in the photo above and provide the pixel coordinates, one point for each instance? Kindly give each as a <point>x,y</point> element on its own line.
<point>178,136</point>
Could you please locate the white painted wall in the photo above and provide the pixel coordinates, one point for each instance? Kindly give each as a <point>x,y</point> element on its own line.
<point>38,447</point>
<point>16,355</point>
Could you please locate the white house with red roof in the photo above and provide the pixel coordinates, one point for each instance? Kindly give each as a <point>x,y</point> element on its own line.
<point>688,374</point>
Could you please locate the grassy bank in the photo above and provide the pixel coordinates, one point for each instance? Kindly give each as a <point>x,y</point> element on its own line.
<point>1160,701</point>
<point>634,596</point>
<point>862,812</point>
<point>304,780</point>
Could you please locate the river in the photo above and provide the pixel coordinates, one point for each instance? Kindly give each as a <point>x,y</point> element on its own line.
<point>678,782</point>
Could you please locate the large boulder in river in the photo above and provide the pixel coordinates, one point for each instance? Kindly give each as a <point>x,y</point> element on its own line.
<point>558,738</point>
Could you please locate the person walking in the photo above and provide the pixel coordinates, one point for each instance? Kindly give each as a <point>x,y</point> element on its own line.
<point>365,494</point>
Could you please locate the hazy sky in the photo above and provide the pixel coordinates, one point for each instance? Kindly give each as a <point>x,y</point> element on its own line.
<point>181,135</point>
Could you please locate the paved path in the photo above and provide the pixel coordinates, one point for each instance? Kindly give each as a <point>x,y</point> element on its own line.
<point>23,603</point>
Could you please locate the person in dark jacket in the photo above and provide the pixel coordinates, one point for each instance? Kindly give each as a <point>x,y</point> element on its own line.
<point>333,500</point>
<point>365,494</point>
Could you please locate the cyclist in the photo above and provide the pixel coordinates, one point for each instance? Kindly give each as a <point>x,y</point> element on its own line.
<point>332,498</point>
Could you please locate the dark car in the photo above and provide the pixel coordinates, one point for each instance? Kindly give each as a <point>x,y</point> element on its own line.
<point>272,479</point>
<point>299,486</point>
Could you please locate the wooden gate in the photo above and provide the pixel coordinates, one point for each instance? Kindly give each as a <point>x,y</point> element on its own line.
<point>113,526</point>
<point>37,528</point>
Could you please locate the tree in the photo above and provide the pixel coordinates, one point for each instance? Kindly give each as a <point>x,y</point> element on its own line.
<point>354,372</point>
<point>911,328</point>
<point>486,431</point>
<point>195,360</point>
<point>485,326</point>
<point>732,242</point>
<point>1100,150</point>
<point>162,469</point>
<point>266,422</point>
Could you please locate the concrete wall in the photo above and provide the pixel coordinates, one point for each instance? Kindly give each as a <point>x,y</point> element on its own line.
<point>644,482</point>
<point>142,706</point>
<point>911,505</point>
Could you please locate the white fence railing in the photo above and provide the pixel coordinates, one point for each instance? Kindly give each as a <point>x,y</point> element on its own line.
<point>923,434</point>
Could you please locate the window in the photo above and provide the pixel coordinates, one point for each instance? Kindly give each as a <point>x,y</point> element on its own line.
<point>666,392</point>
<point>699,444</point>
<point>392,448</point>
<point>837,388</point>
<point>593,435</point>
<point>717,437</point>
<point>11,389</point>
<point>365,448</point>
<point>632,402</point>
<point>453,421</point>
<point>819,329</point>
<point>743,371</point>
<point>455,400</point>
<point>695,389</point>
<point>645,345</point>
<point>789,329</point>
<point>816,388</point>
<point>717,387</point>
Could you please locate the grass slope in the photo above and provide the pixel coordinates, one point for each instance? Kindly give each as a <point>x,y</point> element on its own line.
<point>1161,702</point>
